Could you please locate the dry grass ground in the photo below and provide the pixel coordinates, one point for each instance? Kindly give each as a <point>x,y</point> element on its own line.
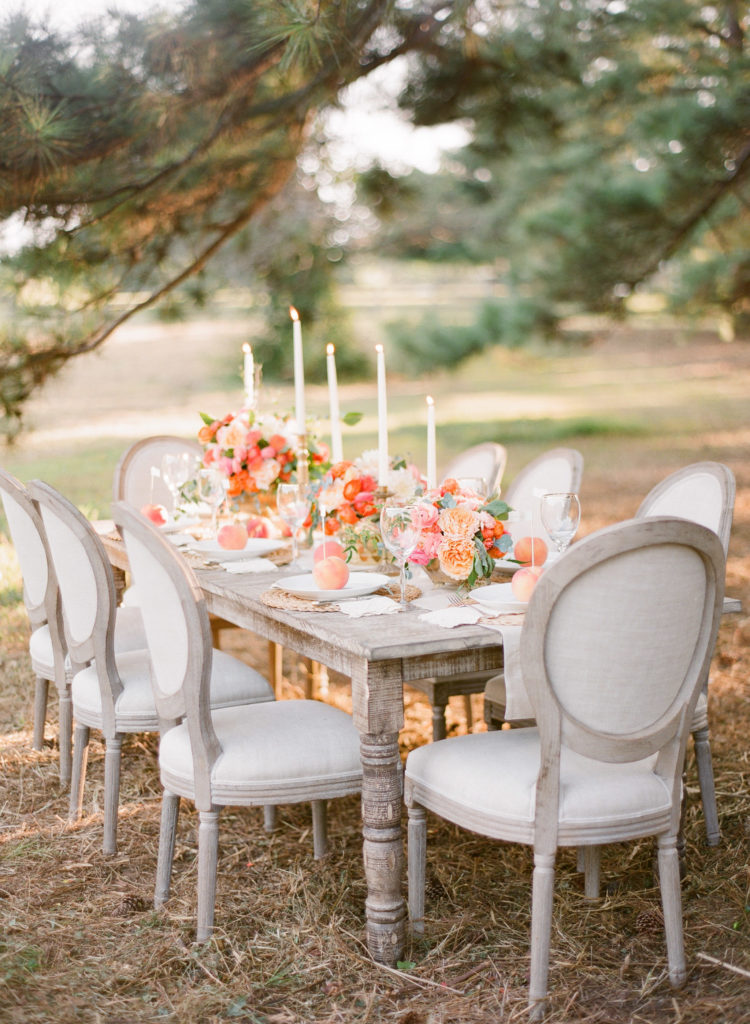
<point>81,942</point>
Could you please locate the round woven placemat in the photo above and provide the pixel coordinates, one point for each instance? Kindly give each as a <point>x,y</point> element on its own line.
<point>277,597</point>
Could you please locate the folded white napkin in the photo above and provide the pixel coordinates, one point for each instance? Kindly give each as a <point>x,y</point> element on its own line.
<point>180,540</point>
<point>464,615</point>
<point>249,565</point>
<point>368,606</point>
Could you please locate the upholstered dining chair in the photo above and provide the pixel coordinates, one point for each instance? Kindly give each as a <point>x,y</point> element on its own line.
<point>559,469</point>
<point>702,492</point>
<point>486,461</point>
<point>280,752</point>
<point>133,480</point>
<point>111,687</point>
<point>41,598</point>
<point>615,646</point>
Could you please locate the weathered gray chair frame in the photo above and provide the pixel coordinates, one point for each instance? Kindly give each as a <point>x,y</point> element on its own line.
<point>42,600</point>
<point>573,639</point>
<point>677,495</point>
<point>439,691</point>
<point>486,460</point>
<point>130,483</point>
<point>182,696</point>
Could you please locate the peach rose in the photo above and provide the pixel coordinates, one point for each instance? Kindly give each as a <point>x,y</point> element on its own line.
<point>232,435</point>
<point>458,522</point>
<point>456,555</point>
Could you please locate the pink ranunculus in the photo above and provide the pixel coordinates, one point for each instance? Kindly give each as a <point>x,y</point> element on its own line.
<point>429,543</point>
<point>419,557</point>
<point>225,465</point>
<point>268,452</point>
<point>424,516</point>
<point>252,437</point>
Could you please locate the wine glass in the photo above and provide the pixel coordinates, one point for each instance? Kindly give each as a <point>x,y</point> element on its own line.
<point>400,536</point>
<point>293,504</point>
<point>560,514</point>
<point>212,490</point>
<point>176,469</point>
<point>476,484</point>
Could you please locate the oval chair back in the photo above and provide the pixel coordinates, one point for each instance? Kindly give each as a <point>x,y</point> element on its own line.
<point>134,481</point>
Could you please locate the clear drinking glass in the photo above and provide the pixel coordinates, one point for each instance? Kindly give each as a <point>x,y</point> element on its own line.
<point>212,488</point>
<point>176,469</point>
<point>477,484</point>
<point>560,514</point>
<point>400,536</point>
<point>293,504</point>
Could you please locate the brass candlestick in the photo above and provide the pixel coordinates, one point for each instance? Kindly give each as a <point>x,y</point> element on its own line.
<point>303,455</point>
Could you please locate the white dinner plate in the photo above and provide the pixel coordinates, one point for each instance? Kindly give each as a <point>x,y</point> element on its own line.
<point>358,584</point>
<point>498,595</point>
<point>254,547</point>
<point>506,565</point>
<point>175,525</point>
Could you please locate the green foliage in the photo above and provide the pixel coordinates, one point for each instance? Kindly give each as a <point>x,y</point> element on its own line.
<point>609,151</point>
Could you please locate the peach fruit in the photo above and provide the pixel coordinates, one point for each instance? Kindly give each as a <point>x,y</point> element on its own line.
<point>232,536</point>
<point>331,573</point>
<point>328,549</point>
<point>156,513</point>
<point>523,582</point>
<point>256,526</point>
<point>524,553</point>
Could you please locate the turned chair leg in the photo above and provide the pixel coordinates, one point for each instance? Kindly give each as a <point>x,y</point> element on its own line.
<point>40,712</point>
<point>65,720</point>
<point>208,855</point>
<point>320,828</point>
<point>78,777</point>
<point>112,761</point>
<point>417,866</point>
<point>270,817</point>
<point>469,713</point>
<point>669,883</point>
<point>707,786</point>
<point>170,809</point>
<point>542,891</point>
<point>438,721</point>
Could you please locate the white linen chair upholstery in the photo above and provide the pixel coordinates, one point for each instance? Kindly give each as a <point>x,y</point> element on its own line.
<point>617,640</point>
<point>702,492</point>
<point>111,687</point>
<point>277,752</point>
<point>133,481</point>
<point>486,460</point>
<point>42,600</point>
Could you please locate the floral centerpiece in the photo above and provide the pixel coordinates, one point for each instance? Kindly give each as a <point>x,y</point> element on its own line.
<point>460,533</point>
<point>346,505</point>
<point>256,452</point>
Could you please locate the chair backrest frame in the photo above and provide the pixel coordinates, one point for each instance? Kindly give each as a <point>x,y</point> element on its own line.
<point>695,553</point>
<point>89,629</point>
<point>668,497</point>
<point>571,456</point>
<point>169,586</point>
<point>469,462</point>
<point>41,593</point>
<point>128,483</point>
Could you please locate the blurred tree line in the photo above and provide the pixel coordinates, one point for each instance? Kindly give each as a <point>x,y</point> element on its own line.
<point>158,159</point>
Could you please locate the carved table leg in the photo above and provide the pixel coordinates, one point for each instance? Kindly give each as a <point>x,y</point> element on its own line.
<point>382,848</point>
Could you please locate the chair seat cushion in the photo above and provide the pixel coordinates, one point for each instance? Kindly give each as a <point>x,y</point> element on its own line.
<point>287,751</point>
<point>233,683</point>
<point>129,636</point>
<point>487,782</point>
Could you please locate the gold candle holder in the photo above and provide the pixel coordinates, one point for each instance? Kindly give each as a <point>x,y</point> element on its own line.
<point>303,455</point>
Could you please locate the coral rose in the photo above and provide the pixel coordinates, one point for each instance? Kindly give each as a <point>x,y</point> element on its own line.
<point>458,522</point>
<point>456,555</point>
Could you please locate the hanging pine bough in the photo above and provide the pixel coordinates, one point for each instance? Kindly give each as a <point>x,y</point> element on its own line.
<point>133,153</point>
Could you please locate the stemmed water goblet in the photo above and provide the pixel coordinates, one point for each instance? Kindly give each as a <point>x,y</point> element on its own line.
<point>176,469</point>
<point>212,490</point>
<point>560,514</point>
<point>400,536</point>
<point>293,504</point>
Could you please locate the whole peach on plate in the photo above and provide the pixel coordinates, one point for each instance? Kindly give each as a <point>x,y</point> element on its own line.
<point>331,573</point>
<point>232,537</point>
<point>156,513</point>
<point>523,582</point>
<point>530,550</point>
<point>257,526</point>
<point>328,549</point>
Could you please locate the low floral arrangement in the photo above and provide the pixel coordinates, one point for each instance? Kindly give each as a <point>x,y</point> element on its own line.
<point>346,505</point>
<point>460,533</point>
<point>256,452</point>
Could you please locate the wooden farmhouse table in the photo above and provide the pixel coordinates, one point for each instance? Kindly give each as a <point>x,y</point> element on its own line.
<point>379,655</point>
